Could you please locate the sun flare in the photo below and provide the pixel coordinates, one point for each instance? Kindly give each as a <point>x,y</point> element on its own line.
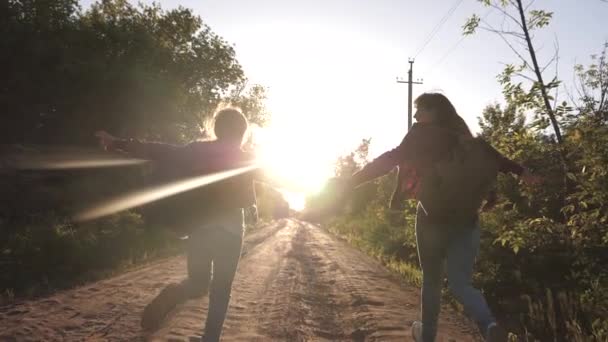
<point>298,163</point>
<point>297,159</point>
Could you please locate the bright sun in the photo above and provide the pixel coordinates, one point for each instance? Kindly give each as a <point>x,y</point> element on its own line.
<point>295,160</point>
<point>294,153</point>
<point>321,116</point>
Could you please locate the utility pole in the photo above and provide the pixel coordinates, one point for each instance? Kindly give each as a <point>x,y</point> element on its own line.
<point>410,82</point>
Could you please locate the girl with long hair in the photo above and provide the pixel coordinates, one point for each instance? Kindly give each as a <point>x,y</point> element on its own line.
<point>440,236</point>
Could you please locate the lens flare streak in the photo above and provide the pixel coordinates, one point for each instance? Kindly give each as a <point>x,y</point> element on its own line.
<point>142,197</point>
<point>43,164</point>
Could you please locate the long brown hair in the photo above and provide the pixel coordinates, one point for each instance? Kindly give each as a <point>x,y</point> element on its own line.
<point>446,115</point>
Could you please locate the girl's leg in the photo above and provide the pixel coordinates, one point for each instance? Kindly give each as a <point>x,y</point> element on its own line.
<point>431,253</point>
<point>463,247</point>
<point>225,262</point>
<point>227,243</point>
<point>197,283</point>
<point>199,263</point>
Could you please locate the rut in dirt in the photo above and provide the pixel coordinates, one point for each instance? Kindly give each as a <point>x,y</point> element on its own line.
<point>295,282</point>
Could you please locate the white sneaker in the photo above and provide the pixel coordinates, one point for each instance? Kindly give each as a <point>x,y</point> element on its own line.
<point>417,331</point>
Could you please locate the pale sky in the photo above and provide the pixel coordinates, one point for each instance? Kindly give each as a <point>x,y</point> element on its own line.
<point>330,66</point>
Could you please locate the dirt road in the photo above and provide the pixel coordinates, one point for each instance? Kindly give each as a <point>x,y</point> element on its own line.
<point>295,283</point>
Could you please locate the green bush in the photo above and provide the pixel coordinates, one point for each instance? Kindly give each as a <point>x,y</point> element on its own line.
<point>543,248</point>
<point>50,252</point>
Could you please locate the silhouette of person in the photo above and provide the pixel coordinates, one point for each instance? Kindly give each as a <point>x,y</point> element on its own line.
<point>211,216</point>
<point>431,140</point>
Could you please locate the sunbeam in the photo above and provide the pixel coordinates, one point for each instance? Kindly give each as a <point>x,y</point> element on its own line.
<point>137,198</point>
<point>63,164</point>
<point>62,158</point>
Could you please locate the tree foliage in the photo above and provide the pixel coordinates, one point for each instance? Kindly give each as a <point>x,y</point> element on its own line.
<point>524,82</point>
<point>136,71</point>
<point>133,70</point>
<point>543,251</point>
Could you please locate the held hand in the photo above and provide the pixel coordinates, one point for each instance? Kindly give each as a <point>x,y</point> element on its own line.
<point>105,139</point>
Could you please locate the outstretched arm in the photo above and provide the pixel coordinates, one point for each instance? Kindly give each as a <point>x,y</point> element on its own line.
<point>415,140</point>
<point>506,165</point>
<point>378,167</point>
<point>138,149</point>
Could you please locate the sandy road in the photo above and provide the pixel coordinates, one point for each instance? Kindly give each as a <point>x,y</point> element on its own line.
<point>295,282</point>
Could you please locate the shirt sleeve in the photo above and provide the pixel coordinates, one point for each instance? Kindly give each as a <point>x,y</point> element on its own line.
<point>146,150</point>
<point>506,165</point>
<point>388,160</point>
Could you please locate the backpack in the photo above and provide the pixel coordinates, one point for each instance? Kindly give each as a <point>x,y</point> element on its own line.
<point>454,188</point>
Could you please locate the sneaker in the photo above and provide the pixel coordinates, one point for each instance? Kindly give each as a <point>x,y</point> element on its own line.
<point>496,333</point>
<point>417,331</point>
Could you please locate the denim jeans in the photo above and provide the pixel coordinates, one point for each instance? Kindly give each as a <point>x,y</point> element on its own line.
<point>459,244</point>
<point>213,256</point>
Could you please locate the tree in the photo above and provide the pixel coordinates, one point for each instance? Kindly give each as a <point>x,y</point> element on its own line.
<point>138,71</point>
<point>524,21</point>
<point>354,161</point>
<point>251,102</point>
<point>495,122</point>
<point>592,88</point>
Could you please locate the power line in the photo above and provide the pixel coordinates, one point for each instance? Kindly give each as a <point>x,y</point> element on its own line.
<point>438,26</point>
<point>445,55</point>
<point>453,47</point>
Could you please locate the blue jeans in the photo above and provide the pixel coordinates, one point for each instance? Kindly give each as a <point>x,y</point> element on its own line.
<point>460,245</point>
